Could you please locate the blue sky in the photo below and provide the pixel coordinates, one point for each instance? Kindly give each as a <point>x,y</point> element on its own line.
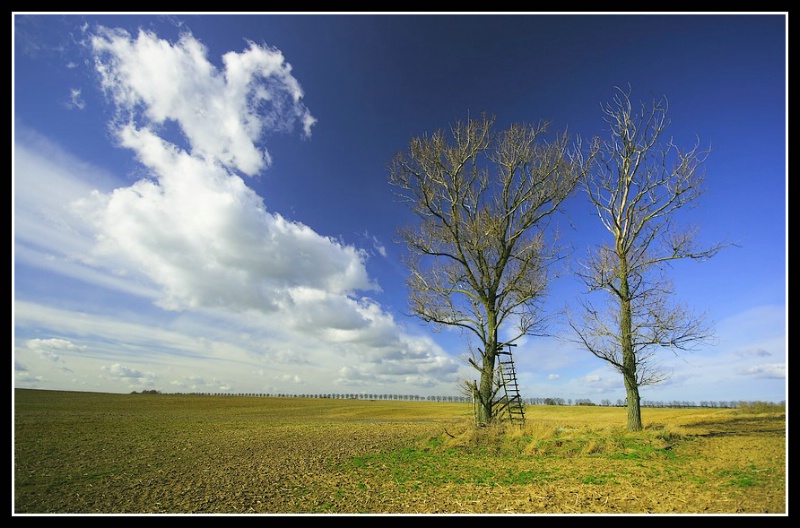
<point>200,202</point>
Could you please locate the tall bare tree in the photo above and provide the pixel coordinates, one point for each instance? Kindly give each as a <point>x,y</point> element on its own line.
<point>479,258</point>
<point>638,184</point>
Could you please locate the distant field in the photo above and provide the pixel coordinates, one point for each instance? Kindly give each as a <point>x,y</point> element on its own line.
<point>87,453</point>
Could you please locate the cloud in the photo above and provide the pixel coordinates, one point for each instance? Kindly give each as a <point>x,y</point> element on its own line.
<point>207,240</point>
<point>129,376</point>
<point>769,371</point>
<point>50,348</point>
<point>29,380</point>
<point>199,384</point>
<point>222,113</point>
<point>246,352</point>
<point>376,244</point>
<point>290,378</point>
<point>759,353</point>
<point>75,99</point>
<point>42,218</point>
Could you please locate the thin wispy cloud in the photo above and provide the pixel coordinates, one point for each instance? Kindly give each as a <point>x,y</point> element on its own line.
<point>75,99</point>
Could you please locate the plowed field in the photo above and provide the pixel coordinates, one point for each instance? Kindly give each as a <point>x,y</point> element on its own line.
<point>88,453</point>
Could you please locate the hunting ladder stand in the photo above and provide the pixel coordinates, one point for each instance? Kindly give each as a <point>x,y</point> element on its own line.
<point>510,401</point>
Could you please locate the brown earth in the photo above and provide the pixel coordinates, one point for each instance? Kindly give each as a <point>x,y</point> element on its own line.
<point>231,459</point>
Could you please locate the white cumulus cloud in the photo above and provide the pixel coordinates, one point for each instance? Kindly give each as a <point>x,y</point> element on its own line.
<point>195,228</point>
<point>223,113</point>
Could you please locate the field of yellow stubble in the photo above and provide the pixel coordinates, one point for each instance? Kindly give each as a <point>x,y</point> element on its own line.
<point>89,453</point>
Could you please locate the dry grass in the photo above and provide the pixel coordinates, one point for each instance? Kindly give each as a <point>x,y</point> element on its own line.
<point>100,453</point>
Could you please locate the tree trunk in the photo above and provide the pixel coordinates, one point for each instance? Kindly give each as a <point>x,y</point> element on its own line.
<point>486,389</point>
<point>634,409</point>
<point>628,353</point>
<point>486,411</point>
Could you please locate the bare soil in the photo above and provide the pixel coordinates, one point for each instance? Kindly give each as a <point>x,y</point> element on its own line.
<point>112,454</point>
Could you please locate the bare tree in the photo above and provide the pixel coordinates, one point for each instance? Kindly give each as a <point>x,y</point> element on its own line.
<point>638,184</point>
<point>479,259</point>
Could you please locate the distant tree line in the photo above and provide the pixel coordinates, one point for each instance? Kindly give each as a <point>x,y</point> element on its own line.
<point>673,404</point>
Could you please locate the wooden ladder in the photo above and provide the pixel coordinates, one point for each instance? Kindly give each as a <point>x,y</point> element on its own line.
<point>511,400</point>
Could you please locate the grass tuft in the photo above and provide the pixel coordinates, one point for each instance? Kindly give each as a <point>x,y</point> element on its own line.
<point>761,407</point>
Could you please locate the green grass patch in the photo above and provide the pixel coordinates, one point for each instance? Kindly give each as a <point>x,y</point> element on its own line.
<point>743,478</point>
<point>413,465</point>
<point>600,479</point>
